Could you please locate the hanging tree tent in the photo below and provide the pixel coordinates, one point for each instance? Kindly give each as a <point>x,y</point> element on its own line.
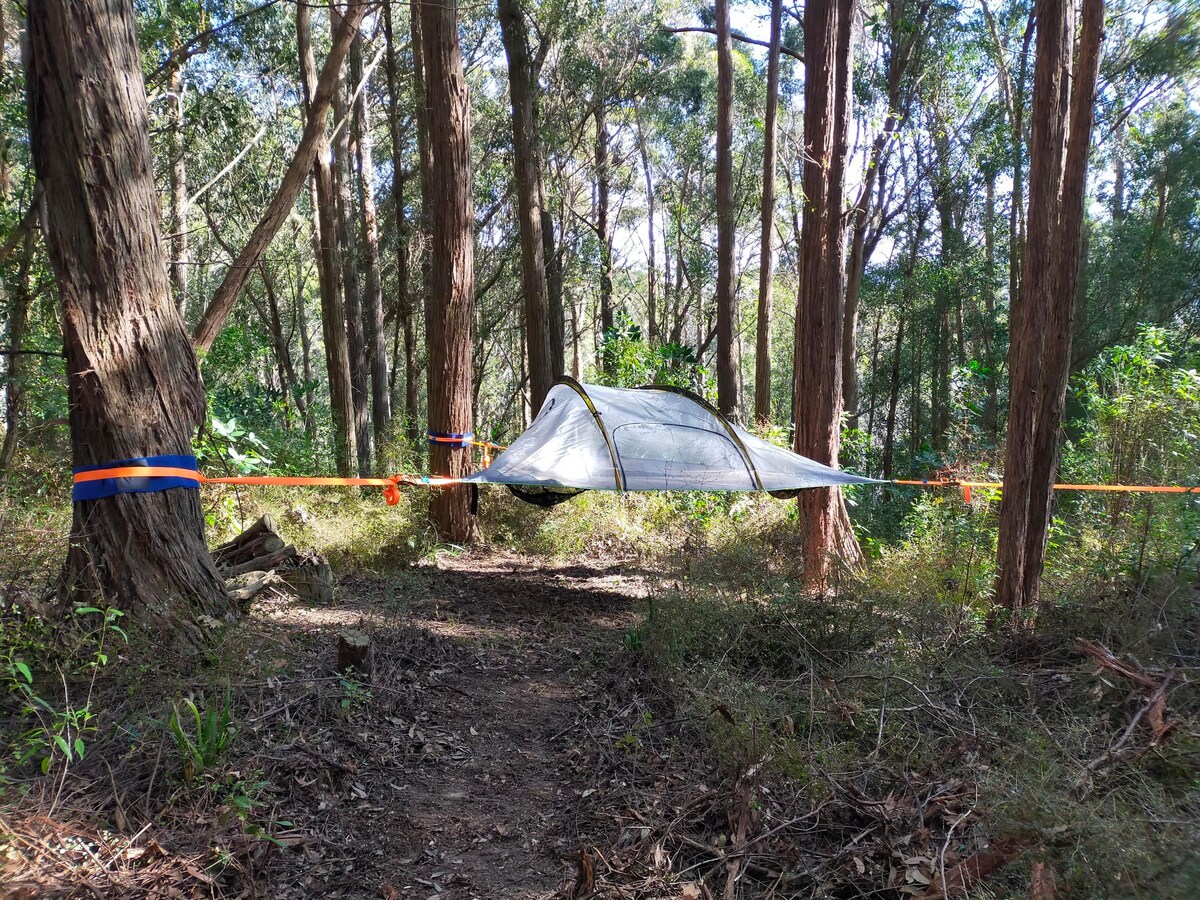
<point>654,438</point>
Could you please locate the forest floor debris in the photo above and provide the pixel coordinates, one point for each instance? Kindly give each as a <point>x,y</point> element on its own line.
<point>539,730</point>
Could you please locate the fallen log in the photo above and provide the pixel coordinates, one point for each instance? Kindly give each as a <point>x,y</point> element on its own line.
<point>260,538</point>
<point>247,585</point>
<point>267,561</point>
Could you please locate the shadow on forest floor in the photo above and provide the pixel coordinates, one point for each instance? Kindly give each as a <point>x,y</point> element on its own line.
<point>462,768</point>
<point>510,745</point>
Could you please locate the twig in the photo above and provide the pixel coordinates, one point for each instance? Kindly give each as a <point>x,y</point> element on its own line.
<point>1152,701</point>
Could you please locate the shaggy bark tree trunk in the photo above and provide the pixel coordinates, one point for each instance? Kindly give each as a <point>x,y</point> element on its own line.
<point>727,398</point>
<point>766,258</point>
<point>424,155</point>
<point>452,258</point>
<point>333,321</point>
<point>284,201</point>
<point>826,533</point>
<point>1030,310</point>
<point>408,414</point>
<point>1041,355</point>
<point>344,149</point>
<point>133,385</point>
<point>528,177</point>
<point>5,166</point>
<point>381,398</point>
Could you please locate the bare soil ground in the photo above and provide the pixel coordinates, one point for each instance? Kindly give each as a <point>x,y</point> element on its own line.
<point>499,750</point>
<point>455,778</point>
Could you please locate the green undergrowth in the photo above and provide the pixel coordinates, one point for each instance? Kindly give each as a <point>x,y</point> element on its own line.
<point>896,680</point>
<point>355,529</point>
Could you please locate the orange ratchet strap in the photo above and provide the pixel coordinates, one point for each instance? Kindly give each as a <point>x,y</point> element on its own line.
<point>999,485</point>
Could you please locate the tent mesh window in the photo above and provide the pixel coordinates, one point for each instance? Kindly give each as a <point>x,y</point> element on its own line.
<point>543,496</point>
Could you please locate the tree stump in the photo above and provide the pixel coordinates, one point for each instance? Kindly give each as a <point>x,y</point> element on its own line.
<point>356,652</point>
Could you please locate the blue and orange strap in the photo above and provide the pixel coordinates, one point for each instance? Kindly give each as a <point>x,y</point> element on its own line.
<point>137,475</point>
<point>161,473</point>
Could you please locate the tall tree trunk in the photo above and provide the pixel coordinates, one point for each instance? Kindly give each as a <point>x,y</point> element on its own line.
<point>906,28</point>
<point>425,161</point>
<point>528,177</point>
<point>766,258</point>
<point>5,164</point>
<point>284,201</point>
<point>279,341</point>
<point>554,289</point>
<point>600,112</point>
<point>14,381</point>
<point>1030,314</point>
<point>651,257</point>
<point>576,350</point>
<point>300,318</point>
<point>1016,221</point>
<point>381,398</point>
<point>991,404</point>
<point>727,398</point>
<point>1056,352</point>
<point>914,426</point>
<point>817,391</point>
<point>944,293</point>
<point>452,257</point>
<point>333,321</point>
<point>345,143</point>
<point>409,413</point>
<point>1118,151</point>
<point>133,384</point>
<point>871,378</point>
<point>178,220</point>
<point>889,432</point>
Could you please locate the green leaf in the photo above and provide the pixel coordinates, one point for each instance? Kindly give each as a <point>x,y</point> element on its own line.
<point>79,747</point>
<point>24,670</point>
<point>61,743</point>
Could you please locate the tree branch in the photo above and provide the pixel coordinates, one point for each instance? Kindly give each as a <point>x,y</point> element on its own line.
<point>27,222</point>
<point>53,354</point>
<point>740,36</point>
<point>199,43</point>
<point>236,275</point>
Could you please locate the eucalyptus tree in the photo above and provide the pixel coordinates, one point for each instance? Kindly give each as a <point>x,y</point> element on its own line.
<point>762,352</point>
<point>452,265</point>
<point>727,382</point>
<point>1043,317</point>
<point>133,380</point>
<point>527,168</point>
<point>826,533</point>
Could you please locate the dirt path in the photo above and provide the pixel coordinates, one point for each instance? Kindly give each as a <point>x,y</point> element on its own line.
<point>451,775</point>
